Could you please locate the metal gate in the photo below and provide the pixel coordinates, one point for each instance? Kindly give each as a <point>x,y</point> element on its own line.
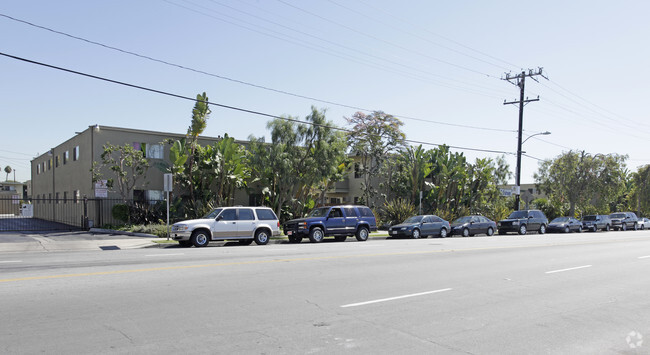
<point>41,215</point>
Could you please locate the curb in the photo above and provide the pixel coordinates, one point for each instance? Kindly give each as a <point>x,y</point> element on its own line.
<point>111,231</point>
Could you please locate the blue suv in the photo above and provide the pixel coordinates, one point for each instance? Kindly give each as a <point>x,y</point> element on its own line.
<point>339,222</point>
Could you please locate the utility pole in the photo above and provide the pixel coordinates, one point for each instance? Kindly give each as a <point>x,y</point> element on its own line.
<point>520,81</point>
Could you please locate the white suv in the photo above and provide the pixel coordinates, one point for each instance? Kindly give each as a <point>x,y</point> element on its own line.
<point>245,224</point>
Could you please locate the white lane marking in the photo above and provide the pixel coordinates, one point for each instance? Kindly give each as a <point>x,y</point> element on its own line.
<point>165,254</point>
<point>569,269</point>
<point>394,298</point>
<point>11,261</point>
<point>644,257</point>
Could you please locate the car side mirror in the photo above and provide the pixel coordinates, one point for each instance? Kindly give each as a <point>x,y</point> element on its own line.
<point>219,218</point>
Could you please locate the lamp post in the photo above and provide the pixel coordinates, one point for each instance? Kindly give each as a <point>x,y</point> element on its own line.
<point>518,172</point>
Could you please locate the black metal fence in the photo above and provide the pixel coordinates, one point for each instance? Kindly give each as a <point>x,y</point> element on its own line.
<point>73,214</point>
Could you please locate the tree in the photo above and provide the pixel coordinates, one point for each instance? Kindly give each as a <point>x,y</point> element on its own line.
<point>580,179</point>
<point>200,115</point>
<point>127,164</point>
<point>372,139</point>
<point>8,170</point>
<point>641,190</point>
<point>300,162</point>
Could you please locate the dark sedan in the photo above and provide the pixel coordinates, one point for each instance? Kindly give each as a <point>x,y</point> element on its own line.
<point>420,226</point>
<point>564,225</point>
<point>472,225</point>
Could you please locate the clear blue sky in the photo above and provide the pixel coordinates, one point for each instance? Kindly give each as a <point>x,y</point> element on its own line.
<point>430,60</point>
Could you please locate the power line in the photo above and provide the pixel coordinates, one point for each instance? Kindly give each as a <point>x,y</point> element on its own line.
<point>244,82</point>
<point>385,41</point>
<point>389,24</point>
<point>226,106</point>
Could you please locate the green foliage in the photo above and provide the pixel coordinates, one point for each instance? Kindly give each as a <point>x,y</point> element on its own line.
<point>8,170</point>
<point>640,191</point>
<point>372,140</point>
<point>583,181</point>
<point>301,163</point>
<point>397,210</point>
<point>128,166</point>
<point>120,212</point>
<point>551,209</point>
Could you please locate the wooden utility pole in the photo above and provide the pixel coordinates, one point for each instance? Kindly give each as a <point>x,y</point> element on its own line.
<point>520,81</point>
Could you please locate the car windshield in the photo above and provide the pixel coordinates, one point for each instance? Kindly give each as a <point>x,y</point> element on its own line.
<point>618,215</point>
<point>414,219</point>
<point>560,220</point>
<point>589,218</point>
<point>518,214</point>
<point>319,212</point>
<point>463,220</point>
<point>213,214</point>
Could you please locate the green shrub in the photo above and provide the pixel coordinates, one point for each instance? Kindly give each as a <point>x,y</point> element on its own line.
<point>397,210</point>
<point>120,212</point>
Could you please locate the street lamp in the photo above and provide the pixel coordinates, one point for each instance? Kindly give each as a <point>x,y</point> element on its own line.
<point>518,173</point>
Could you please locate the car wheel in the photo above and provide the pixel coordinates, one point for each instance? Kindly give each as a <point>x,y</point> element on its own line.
<point>340,238</point>
<point>316,235</point>
<point>185,243</point>
<point>567,229</point>
<point>415,234</point>
<point>465,232</point>
<point>200,238</point>
<point>443,232</point>
<point>580,230</point>
<point>542,229</point>
<point>261,237</point>
<point>245,241</point>
<point>607,228</point>
<point>362,234</point>
<point>295,239</point>
<point>595,229</point>
<point>522,229</point>
<point>489,232</point>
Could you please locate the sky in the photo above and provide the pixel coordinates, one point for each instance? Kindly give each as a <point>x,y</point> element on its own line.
<point>436,65</point>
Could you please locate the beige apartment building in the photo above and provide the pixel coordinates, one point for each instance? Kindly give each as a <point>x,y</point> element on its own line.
<point>62,177</point>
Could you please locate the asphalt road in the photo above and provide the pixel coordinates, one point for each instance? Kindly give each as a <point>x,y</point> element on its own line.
<point>538,294</point>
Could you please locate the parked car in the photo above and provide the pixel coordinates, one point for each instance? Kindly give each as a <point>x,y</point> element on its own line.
<point>624,221</point>
<point>643,223</point>
<point>523,221</point>
<point>244,224</point>
<point>339,222</point>
<point>564,225</point>
<point>596,222</point>
<point>471,225</point>
<point>421,226</point>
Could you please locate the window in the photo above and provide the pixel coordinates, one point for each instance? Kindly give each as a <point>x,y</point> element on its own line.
<point>427,219</point>
<point>38,168</point>
<point>154,196</point>
<point>229,215</point>
<point>56,161</point>
<point>265,214</point>
<point>57,197</point>
<point>356,200</point>
<point>49,197</point>
<point>365,212</point>
<point>65,196</point>
<point>246,214</point>
<point>49,164</point>
<point>255,200</point>
<point>66,156</point>
<point>350,212</point>
<point>75,153</point>
<point>335,213</point>
<point>357,171</point>
<point>154,151</point>
<point>76,196</point>
<point>436,219</point>
<point>335,200</point>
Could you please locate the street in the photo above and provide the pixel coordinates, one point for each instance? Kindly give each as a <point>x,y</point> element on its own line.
<point>535,294</point>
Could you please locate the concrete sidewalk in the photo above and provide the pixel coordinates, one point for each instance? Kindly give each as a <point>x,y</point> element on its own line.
<point>68,241</point>
<point>96,239</point>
